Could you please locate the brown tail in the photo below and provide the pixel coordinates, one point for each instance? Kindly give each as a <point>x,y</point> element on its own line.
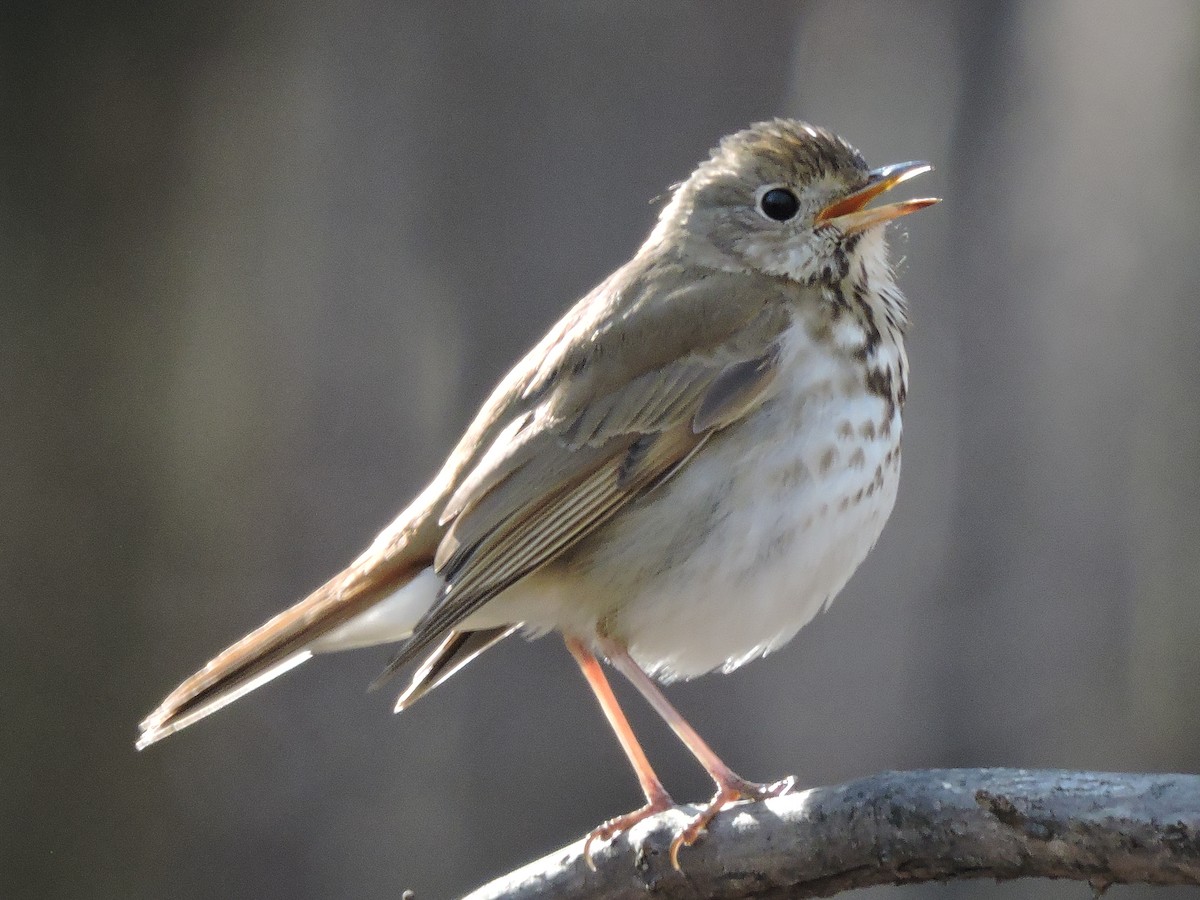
<point>280,644</point>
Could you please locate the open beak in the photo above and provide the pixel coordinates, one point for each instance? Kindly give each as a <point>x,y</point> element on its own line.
<point>850,215</point>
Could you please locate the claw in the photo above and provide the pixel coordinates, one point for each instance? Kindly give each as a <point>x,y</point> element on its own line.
<point>620,824</point>
<point>733,791</point>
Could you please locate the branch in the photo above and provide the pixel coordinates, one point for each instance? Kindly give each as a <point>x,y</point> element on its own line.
<point>899,828</point>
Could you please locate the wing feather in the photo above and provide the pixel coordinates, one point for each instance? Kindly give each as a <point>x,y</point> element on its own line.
<point>618,396</point>
<point>615,398</point>
<point>534,536</point>
<point>570,463</point>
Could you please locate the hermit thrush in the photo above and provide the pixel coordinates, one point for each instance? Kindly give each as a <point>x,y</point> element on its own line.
<point>677,477</point>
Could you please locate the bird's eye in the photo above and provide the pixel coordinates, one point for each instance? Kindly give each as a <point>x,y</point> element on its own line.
<point>779,204</point>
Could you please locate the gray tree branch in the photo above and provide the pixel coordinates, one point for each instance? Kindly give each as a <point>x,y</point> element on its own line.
<point>899,828</point>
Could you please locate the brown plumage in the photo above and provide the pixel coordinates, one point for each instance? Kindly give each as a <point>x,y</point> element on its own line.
<point>576,430</point>
<point>684,471</point>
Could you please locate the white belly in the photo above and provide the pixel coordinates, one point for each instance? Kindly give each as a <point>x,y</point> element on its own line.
<point>728,559</point>
<point>772,561</point>
<point>753,537</point>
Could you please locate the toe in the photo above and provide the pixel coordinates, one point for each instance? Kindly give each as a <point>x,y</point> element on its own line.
<point>620,824</point>
<point>726,795</point>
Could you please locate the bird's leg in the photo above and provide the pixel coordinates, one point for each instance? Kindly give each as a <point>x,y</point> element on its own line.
<point>657,798</point>
<point>731,787</point>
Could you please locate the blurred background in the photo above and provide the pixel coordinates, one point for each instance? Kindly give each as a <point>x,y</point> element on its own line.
<point>260,263</point>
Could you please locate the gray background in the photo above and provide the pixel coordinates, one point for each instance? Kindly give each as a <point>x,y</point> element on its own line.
<point>259,265</point>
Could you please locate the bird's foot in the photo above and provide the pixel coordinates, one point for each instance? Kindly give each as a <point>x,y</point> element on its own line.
<point>729,790</point>
<point>621,824</point>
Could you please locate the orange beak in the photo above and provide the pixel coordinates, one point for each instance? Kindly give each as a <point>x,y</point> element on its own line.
<point>850,215</point>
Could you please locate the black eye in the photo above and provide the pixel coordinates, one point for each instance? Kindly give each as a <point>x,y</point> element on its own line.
<point>779,204</point>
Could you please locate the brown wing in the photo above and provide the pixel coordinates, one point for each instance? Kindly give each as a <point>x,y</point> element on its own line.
<point>455,651</point>
<point>564,467</point>
<point>596,413</point>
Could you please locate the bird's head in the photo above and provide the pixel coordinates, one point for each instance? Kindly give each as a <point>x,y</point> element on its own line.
<point>788,199</point>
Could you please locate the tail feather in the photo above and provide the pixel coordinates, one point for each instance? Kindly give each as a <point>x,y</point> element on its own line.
<point>281,644</point>
<point>159,725</point>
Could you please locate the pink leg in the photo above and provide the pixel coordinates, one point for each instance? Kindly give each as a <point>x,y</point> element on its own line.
<point>731,787</point>
<point>657,798</point>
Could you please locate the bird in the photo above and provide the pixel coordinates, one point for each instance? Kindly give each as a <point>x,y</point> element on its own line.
<point>680,475</point>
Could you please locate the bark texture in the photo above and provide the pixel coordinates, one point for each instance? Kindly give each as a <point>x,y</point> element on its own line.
<point>897,828</point>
